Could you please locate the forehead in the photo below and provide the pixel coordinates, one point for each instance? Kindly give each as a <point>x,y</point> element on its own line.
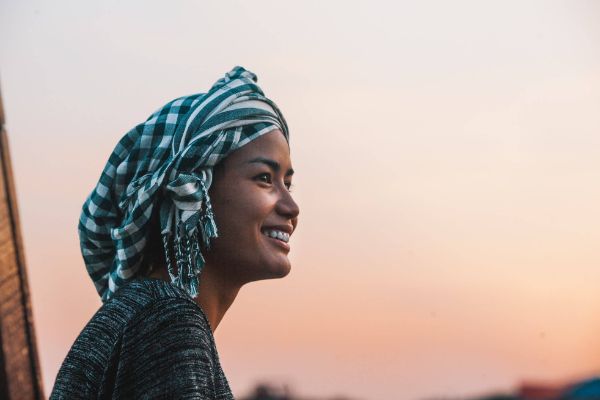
<point>271,145</point>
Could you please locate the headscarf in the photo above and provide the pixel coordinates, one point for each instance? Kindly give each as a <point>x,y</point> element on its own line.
<point>167,162</point>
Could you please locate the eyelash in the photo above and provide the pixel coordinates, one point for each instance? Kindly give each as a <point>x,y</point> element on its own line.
<point>269,180</point>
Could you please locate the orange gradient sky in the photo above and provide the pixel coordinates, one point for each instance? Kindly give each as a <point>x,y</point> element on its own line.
<point>448,169</point>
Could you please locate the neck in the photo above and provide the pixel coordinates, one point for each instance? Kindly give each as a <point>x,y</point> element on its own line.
<point>215,294</point>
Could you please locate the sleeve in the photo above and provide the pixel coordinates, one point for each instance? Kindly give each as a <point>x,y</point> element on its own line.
<point>166,353</point>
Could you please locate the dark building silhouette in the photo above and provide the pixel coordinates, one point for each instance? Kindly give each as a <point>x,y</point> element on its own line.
<point>265,391</point>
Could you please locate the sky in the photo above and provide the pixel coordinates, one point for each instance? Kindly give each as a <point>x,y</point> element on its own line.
<point>447,159</point>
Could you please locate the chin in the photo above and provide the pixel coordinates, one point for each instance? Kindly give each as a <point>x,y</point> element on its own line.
<point>278,271</point>
<point>285,272</point>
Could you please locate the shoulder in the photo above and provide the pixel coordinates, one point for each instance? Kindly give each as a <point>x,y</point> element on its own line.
<point>141,292</point>
<point>168,349</point>
<point>145,321</point>
<point>145,297</point>
<point>129,305</point>
<point>151,307</point>
<point>168,316</point>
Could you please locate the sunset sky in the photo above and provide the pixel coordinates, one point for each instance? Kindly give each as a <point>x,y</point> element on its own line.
<point>447,159</point>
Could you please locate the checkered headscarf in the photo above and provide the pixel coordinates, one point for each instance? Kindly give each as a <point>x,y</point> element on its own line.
<point>167,162</point>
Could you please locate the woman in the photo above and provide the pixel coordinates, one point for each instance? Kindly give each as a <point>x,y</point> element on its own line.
<point>192,204</point>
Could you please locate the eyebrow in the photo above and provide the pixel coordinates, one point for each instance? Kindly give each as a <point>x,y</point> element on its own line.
<point>274,165</point>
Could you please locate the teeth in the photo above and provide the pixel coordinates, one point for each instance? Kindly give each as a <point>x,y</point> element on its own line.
<point>275,234</point>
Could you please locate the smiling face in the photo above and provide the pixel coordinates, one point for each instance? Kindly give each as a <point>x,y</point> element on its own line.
<point>254,211</point>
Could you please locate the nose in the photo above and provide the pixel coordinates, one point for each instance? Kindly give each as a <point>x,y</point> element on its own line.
<point>286,206</point>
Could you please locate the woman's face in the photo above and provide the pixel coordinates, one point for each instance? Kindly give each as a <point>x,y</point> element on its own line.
<point>254,211</point>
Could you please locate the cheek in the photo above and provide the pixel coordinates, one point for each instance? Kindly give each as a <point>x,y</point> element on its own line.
<point>239,217</point>
<point>239,244</point>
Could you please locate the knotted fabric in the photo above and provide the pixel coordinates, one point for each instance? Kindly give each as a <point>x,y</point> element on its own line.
<point>165,165</point>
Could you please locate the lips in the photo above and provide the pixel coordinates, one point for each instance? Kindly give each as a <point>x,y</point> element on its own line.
<point>279,235</point>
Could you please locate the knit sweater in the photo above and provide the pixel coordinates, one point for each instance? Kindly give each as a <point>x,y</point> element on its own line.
<point>150,341</point>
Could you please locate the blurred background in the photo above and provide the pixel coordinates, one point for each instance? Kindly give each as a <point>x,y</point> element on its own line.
<point>448,169</point>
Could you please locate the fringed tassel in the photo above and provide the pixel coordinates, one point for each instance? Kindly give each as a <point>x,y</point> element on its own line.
<point>168,259</point>
<point>185,246</point>
<point>184,272</point>
<point>197,262</point>
<point>179,260</point>
<point>189,262</point>
<point>207,219</point>
<point>188,275</point>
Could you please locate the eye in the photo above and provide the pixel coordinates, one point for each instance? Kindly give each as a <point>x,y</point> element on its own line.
<point>264,177</point>
<point>289,186</point>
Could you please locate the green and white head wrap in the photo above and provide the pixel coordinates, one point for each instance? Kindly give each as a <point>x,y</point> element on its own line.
<point>167,162</point>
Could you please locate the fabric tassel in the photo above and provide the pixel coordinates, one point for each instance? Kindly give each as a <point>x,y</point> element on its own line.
<point>197,258</point>
<point>181,235</point>
<point>189,261</point>
<point>168,259</point>
<point>208,225</point>
<point>197,263</point>
<point>194,262</point>
<point>179,260</point>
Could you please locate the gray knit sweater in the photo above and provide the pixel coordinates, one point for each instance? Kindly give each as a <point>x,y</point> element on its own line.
<point>150,341</point>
